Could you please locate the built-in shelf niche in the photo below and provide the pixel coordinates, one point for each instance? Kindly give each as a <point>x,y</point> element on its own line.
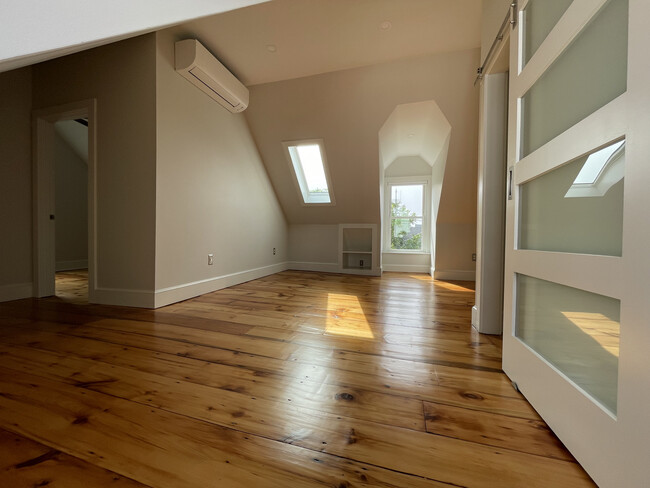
<point>358,248</point>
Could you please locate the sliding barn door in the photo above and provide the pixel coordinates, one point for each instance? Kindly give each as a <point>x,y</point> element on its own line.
<point>577,275</point>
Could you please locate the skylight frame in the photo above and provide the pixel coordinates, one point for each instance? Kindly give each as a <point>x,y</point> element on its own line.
<point>309,198</point>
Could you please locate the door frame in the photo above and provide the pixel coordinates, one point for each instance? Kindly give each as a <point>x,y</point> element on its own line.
<point>43,197</point>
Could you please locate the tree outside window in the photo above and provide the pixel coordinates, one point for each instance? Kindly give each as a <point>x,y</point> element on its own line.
<point>406,217</point>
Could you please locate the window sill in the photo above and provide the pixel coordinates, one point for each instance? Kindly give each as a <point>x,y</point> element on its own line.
<point>406,251</point>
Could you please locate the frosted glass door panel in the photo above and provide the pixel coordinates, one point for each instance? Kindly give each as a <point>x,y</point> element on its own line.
<point>574,330</point>
<point>590,73</point>
<point>577,207</point>
<point>540,16</point>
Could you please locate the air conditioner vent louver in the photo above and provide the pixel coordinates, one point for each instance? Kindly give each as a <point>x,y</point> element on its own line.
<point>202,69</point>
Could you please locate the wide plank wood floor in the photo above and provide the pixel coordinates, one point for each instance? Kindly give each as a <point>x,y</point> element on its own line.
<point>294,380</point>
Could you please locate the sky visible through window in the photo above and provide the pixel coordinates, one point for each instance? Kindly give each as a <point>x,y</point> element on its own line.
<point>312,167</point>
<point>410,196</point>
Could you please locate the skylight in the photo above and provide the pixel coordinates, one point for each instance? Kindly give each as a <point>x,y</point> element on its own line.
<point>309,165</point>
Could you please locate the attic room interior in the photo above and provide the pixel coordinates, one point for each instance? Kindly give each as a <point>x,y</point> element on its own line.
<point>344,243</point>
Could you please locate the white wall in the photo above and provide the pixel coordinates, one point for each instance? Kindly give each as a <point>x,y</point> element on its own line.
<point>121,77</point>
<point>213,194</point>
<point>15,185</point>
<point>71,208</point>
<point>346,109</point>
<point>494,12</point>
<point>408,166</point>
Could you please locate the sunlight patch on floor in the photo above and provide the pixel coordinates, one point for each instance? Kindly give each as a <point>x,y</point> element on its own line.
<point>338,325</point>
<point>452,286</point>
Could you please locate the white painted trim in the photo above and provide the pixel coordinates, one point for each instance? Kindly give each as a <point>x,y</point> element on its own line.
<point>567,29</point>
<point>299,177</point>
<point>15,291</point>
<point>454,275</point>
<point>407,268</point>
<point>71,265</point>
<point>311,266</point>
<point>124,298</point>
<point>389,182</point>
<point>600,129</point>
<point>590,272</point>
<point>173,294</point>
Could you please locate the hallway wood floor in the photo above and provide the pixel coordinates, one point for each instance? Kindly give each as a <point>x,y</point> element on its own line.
<point>294,380</point>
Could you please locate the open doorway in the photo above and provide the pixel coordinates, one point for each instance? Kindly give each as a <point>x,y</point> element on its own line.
<point>64,202</point>
<point>71,209</point>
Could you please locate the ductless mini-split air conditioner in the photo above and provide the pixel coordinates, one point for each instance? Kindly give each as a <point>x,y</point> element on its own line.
<point>203,70</point>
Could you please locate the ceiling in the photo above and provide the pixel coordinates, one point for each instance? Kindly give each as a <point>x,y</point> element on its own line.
<point>32,31</point>
<point>285,39</point>
<point>414,129</point>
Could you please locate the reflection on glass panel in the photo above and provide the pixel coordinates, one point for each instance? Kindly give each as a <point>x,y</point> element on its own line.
<point>590,73</point>
<point>540,16</point>
<point>577,207</point>
<point>574,330</point>
<point>406,233</point>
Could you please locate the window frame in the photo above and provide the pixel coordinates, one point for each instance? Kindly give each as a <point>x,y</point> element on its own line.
<point>309,198</point>
<point>426,213</point>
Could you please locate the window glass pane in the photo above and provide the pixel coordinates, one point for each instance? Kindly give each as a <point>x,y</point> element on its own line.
<point>312,167</point>
<point>577,207</point>
<point>406,233</point>
<point>407,200</point>
<point>540,16</point>
<point>590,73</point>
<point>576,331</point>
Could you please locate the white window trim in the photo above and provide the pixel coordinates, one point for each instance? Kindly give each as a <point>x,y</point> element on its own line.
<point>426,213</point>
<point>307,198</point>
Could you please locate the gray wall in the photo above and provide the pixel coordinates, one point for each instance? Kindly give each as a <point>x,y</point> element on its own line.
<point>15,184</point>
<point>71,206</point>
<point>213,194</point>
<point>121,77</point>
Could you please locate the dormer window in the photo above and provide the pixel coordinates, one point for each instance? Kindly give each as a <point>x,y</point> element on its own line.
<point>310,170</point>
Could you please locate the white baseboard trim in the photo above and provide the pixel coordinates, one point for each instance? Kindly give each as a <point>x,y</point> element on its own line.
<point>71,265</point>
<point>407,268</point>
<point>475,317</point>
<point>122,297</point>
<point>16,292</point>
<point>454,275</point>
<point>309,266</point>
<point>173,294</point>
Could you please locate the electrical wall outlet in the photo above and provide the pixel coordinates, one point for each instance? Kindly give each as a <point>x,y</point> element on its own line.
<point>361,263</point>
<point>274,251</point>
<point>474,257</point>
<point>210,259</point>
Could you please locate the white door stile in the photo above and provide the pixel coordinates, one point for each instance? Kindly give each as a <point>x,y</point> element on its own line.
<point>613,448</point>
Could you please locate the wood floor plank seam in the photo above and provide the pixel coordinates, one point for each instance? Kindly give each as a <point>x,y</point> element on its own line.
<point>296,379</point>
<point>199,360</point>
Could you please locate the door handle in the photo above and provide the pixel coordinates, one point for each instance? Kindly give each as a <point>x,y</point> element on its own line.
<point>510,181</point>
